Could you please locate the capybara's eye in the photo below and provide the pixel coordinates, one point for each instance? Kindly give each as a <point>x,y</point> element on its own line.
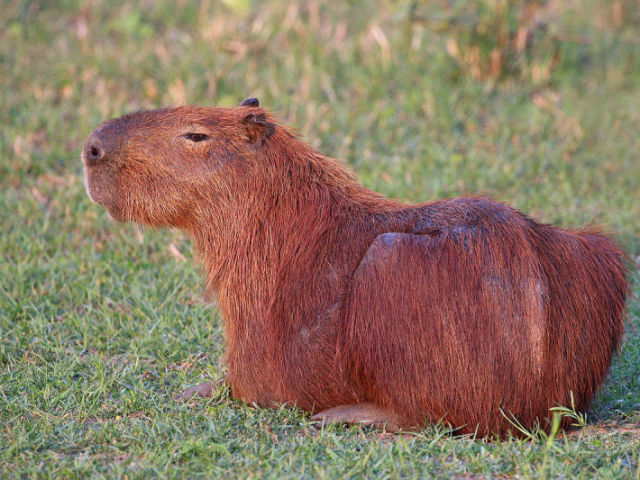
<point>196,137</point>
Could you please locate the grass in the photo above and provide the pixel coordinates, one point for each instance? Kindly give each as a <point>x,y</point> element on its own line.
<point>102,324</point>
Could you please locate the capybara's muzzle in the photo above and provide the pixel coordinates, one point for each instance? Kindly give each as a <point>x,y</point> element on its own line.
<point>103,143</point>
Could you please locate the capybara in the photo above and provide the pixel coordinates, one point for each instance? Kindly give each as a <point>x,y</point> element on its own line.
<point>355,307</point>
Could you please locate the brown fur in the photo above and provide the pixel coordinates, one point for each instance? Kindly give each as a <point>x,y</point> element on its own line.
<point>333,295</point>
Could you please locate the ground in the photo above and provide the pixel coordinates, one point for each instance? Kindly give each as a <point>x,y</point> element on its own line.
<point>101,324</point>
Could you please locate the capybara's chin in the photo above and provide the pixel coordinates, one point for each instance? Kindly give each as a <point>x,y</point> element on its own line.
<point>103,192</point>
<point>116,213</point>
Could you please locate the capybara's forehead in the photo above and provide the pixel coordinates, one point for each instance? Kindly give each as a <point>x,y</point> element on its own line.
<point>174,116</point>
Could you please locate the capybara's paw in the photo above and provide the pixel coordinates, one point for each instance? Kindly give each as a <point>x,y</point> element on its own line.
<point>359,414</point>
<point>204,390</point>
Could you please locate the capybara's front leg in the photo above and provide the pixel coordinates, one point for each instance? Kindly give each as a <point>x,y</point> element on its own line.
<point>360,414</point>
<point>204,390</point>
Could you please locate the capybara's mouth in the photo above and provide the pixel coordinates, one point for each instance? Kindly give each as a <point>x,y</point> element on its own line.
<point>86,184</point>
<point>101,190</point>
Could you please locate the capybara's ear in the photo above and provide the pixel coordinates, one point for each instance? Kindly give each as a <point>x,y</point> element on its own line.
<point>250,102</point>
<point>258,127</point>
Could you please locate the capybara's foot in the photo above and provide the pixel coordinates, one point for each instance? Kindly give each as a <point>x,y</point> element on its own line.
<point>360,414</point>
<point>204,390</point>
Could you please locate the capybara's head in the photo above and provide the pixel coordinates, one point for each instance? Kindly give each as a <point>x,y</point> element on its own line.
<point>151,167</point>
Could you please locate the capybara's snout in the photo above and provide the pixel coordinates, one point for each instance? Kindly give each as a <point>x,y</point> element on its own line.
<point>94,150</point>
<point>102,144</point>
<point>102,155</point>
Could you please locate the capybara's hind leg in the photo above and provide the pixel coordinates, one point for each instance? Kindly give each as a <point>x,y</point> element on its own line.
<point>360,414</point>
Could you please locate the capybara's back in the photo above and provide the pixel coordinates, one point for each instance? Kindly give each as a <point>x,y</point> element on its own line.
<point>359,308</point>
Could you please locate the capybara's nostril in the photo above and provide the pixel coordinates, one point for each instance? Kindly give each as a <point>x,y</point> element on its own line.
<point>93,152</point>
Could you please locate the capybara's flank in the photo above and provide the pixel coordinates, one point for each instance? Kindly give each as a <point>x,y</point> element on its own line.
<point>355,307</point>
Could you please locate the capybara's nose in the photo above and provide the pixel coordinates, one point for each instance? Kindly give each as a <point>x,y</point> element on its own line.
<point>94,151</point>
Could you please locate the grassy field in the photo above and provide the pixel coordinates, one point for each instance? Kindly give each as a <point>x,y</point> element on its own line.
<point>101,324</point>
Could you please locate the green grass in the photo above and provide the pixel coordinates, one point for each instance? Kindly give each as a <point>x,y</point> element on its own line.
<point>101,325</point>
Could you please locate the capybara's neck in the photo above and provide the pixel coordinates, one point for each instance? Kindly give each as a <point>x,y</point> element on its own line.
<point>285,203</point>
